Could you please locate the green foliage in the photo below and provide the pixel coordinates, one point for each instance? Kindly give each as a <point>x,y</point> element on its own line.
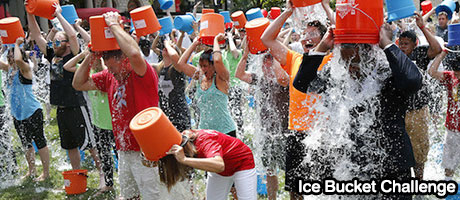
<point>267,4</point>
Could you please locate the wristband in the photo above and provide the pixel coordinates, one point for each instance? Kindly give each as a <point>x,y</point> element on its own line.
<point>445,50</point>
<point>421,28</point>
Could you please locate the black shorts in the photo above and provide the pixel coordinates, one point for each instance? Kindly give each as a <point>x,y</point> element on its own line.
<point>31,130</point>
<point>75,129</point>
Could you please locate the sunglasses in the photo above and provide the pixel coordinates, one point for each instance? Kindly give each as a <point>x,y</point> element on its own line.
<point>56,43</point>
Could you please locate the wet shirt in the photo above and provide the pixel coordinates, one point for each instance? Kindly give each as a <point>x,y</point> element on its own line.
<point>442,32</point>
<point>22,100</point>
<point>61,91</point>
<point>171,87</point>
<point>236,155</point>
<point>453,104</point>
<point>127,98</point>
<point>420,57</point>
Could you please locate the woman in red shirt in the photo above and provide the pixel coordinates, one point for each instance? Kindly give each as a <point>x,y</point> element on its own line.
<point>227,159</point>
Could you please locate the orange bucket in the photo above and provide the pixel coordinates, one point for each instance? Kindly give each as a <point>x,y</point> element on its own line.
<point>10,30</point>
<point>41,8</point>
<point>207,10</point>
<point>239,20</point>
<point>75,181</point>
<point>304,3</point>
<point>211,25</point>
<point>102,39</point>
<point>145,21</point>
<point>254,30</point>
<point>358,21</point>
<point>154,133</point>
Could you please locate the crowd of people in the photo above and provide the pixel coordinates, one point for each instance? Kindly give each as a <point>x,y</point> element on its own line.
<point>201,87</point>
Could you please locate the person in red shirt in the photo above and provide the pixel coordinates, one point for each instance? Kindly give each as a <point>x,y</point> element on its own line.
<point>132,86</point>
<point>450,79</point>
<point>227,159</point>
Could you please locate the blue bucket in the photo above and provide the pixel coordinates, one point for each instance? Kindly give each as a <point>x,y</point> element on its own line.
<point>166,25</point>
<point>226,15</point>
<point>254,13</point>
<point>69,13</point>
<point>454,34</point>
<point>399,9</point>
<point>165,4</point>
<point>184,23</point>
<point>447,6</point>
<point>262,184</point>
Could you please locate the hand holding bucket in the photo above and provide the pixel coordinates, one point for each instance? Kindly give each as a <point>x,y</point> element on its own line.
<point>10,30</point>
<point>41,8</point>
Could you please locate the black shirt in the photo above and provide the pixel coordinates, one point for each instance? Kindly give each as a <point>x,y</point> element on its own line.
<point>61,91</point>
<point>442,32</point>
<point>420,57</point>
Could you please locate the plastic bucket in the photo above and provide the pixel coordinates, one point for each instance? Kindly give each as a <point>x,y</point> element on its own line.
<point>102,39</point>
<point>264,12</point>
<point>166,25</point>
<point>304,3</point>
<point>211,25</point>
<point>184,23</point>
<point>165,4</point>
<point>275,12</point>
<point>207,10</point>
<point>454,34</point>
<point>145,21</point>
<point>239,20</point>
<point>75,181</point>
<point>399,9</point>
<point>447,6</point>
<point>41,8</point>
<point>254,13</point>
<point>226,15</point>
<point>254,30</point>
<point>10,30</point>
<point>69,13</point>
<point>154,133</point>
<point>426,7</point>
<point>358,21</point>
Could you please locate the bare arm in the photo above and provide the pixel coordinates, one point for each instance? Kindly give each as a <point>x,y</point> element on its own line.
<point>82,80</point>
<point>281,76</point>
<point>195,8</point>
<point>241,69</point>
<point>85,35</point>
<point>235,52</point>
<point>68,29</point>
<point>215,164</point>
<point>428,15</point>
<point>18,59</point>
<point>433,71</point>
<point>180,40</point>
<point>71,65</point>
<point>287,39</point>
<point>155,44</point>
<point>277,49</point>
<point>35,33</point>
<point>51,34</point>
<point>127,44</point>
<point>4,66</point>
<point>221,70</point>
<point>183,66</point>
<point>435,47</point>
<point>329,12</point>
<point>172,53</point>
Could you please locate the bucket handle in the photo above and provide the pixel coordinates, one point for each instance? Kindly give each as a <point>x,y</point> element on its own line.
<point>453,51</point>
<point>82,174</point>
<point>356,8</point>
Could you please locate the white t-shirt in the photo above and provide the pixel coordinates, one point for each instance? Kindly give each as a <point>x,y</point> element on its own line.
<point>297,47</point>
<point>152,58</point>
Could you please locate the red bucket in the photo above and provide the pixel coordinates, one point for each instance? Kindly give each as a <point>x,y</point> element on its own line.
<point>358,21</point>
<point>275,12</point>
<point>426,7</point>
<point>304,3</point>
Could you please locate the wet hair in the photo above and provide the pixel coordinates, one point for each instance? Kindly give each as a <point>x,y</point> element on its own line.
<point>443,13</point>
<point>111,54</point>
<point>409,34</point>
<point>207,55</point>
<point>171,171</point>
<point>322,29</point>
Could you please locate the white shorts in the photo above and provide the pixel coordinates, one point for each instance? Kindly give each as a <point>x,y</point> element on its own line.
<point>450,156</point>
<point>218,187</point>
<point>135,178</point>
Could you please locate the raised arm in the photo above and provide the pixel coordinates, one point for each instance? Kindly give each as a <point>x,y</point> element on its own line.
<point>51,34</point>
<point>278,50</point>
<point>433,70</point>
<point>127,44</point>
<point>435,47</point>
<point>235,52</point>
<point>24,67</point>
<point>155,44</point>
<point>71,65</point>
<point>428,15</point>
<point>85,35</point>
<point>241,69</point>
<point>35,33</point>
<point>329,12</point>
<point>82,80</point>
<point>183,66</point>
<point>180,40</point>
<point>172,53</point>
<point>287,39</point>
<point>281,76</point>
<point>195,8</point>
<point>68,29</point>
<point>221,70</point>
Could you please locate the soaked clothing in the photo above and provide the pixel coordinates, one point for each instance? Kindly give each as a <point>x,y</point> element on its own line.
<point>31,130</point>
<point>214,113</point>
<point>272,102</point>
<point>171,86</point>
<point>420,99</point>
<point>61,91</point>
<point>453,104</point>
<point>391,103</point>
<point>23,101</point>
<point>442,32</point>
